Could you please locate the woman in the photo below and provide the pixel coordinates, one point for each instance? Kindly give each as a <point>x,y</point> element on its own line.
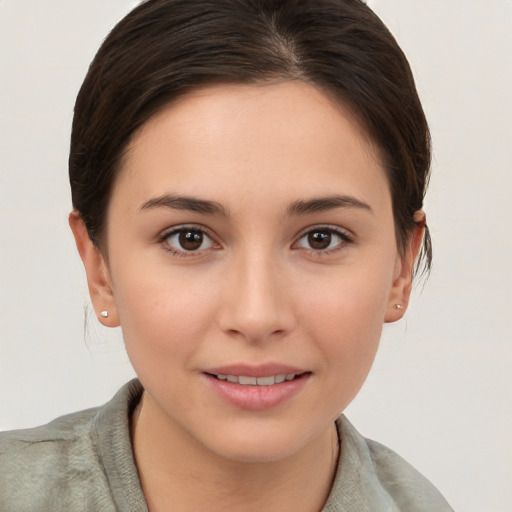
<point>247,180</point>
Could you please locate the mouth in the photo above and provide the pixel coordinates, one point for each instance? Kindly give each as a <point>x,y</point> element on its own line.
<point>246,380</point>
<point>257,388</point>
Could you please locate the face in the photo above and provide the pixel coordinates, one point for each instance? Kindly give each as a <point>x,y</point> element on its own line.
<point>251,241</point>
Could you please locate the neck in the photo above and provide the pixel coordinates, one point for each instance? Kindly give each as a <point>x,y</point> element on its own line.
<point>176,469</point>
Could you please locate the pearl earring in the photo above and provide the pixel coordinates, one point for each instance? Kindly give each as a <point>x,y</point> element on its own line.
<point>104,313</point>
<point>399,306</point>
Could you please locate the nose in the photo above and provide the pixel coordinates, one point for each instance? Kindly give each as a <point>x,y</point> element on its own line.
<point>256,305</point>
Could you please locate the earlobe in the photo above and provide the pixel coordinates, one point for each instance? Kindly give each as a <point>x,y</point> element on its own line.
<point>402,285</point>
<point>96,269</point>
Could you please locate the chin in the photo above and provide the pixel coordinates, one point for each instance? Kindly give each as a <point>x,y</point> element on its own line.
<point>256,453</point>
<point>258,444</point>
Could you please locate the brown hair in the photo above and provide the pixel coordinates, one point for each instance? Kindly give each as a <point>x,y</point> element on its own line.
<point>165,48</point>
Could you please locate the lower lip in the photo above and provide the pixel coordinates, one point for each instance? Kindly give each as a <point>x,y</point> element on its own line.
<point>257,398</point>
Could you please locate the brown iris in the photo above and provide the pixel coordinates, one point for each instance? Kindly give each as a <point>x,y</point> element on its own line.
<point>319,240</point>
<point>191,240</point>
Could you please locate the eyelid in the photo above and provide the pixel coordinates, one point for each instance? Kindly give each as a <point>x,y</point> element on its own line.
<point>344,234</point>
<point>183,227</point>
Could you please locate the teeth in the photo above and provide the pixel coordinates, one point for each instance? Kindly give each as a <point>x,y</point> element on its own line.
<point>266,381</point>
<point>247,381</point>
<point>257,381</point>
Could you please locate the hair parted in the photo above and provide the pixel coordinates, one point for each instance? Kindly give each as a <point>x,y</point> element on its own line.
<point>166,48</point>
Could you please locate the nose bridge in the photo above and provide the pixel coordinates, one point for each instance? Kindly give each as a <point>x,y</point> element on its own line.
<point>256,303</point>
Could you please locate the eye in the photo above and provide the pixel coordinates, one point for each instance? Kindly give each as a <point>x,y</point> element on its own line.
<point>322,239</point>
<point>187,240</point>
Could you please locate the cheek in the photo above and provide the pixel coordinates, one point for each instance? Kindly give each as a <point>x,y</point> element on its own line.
<point>353,299</point>
<point>348,342</point>
<point>162,314</point>
<point>346,318</point>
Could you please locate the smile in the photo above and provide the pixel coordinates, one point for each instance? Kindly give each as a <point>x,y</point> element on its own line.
<point>257,381</point>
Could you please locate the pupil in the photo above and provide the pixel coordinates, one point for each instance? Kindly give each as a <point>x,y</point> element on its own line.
<point>319,239</point>
<point>191,240</point>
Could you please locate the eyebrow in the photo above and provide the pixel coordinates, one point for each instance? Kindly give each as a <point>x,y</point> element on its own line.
<point>188,203</point>
<point>299,207</point>
<point>322,204</point>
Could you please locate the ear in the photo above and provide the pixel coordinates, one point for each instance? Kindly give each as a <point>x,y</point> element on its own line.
<point>402,284</point>
<point>98,274</point>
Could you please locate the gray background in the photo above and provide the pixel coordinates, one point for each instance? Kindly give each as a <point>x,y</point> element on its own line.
<point>440,392</point>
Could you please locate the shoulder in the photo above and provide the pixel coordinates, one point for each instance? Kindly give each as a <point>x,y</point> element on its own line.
<point>378,479</point>
<point>408,487</point>
<point>34,461</point>
<point>61,465</point>
<point>46,444</point>
<point>64,429</point>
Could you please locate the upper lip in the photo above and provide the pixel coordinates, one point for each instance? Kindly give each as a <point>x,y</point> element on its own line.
<point>266,370</point>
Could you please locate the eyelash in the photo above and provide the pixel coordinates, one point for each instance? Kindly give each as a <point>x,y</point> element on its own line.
<point>184,229</point>
<point>343,236</point>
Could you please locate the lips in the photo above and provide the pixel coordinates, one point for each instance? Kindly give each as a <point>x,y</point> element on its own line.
<point>246,380</point>
<point>256,388</point>
<point>264,370</point>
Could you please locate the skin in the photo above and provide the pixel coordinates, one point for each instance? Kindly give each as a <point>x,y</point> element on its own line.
<point>256,291</point>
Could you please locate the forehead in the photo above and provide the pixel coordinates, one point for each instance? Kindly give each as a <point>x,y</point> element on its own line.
<point>284,137</point>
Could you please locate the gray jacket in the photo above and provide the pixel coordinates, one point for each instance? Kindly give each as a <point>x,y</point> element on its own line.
<point>83,462</point>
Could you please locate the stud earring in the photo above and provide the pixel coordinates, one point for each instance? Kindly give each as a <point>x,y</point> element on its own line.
<point>104,313</point>
<point>399,306</point>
